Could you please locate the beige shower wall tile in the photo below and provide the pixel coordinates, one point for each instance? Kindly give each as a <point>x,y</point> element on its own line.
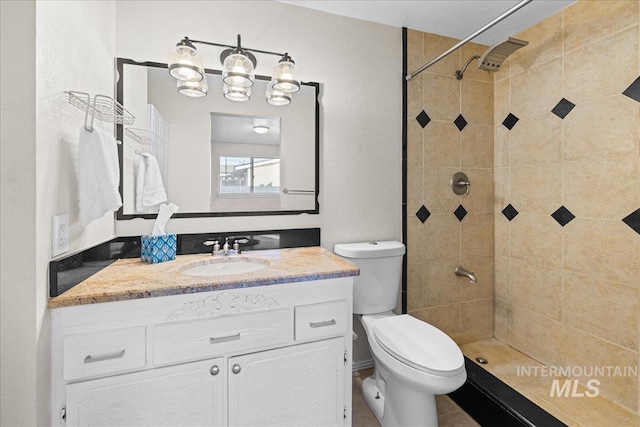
<point>480,197</point>
<point>501,189</point>
<point>415,55</point>
<point>434,45</point>
<point>440,286</point>
<point>446,318</point>
<point>537,239</point>
<point>501,100</point>
<point>415,179</point>
<point>414,96</point>
<point>477,101</point>
<point>441,97</point>
<point>502,146</point>
<point>477,146</point>
<point>502,288</point>
<point>438,196</point>
<point>537,189</point>
<point>537,139</point>
<point>415,274</point>
<point>545,43</point>
<point>603,188</point>
<point>603,249</point>
<point>581,349</point>
<point>472,71</point>
<point>441,144</point>
<point>441,237</point>
<point>504,72</point>
<point>483,268</point>
<point>536,335</point>
<point>502,235</point>
<point>415,245</point>
<point>605,309</point>
<point>601,69</point>
<point>537,288</point>
<point>415,146</point>
<point>587,21</point>
<point>477,234</point>
<point>477,321</point>
<point>501,319</point>
<point>607,128</point>
<point>537,90</point>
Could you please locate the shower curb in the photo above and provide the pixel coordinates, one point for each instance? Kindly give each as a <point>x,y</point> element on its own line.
<point>493,403</point>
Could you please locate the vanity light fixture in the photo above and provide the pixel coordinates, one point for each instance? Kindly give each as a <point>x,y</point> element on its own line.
<point>261,129</point>
<point>193,89</point>
<point>238,66</point>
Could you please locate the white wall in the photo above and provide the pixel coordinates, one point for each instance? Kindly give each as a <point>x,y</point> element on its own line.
<point>359,66</point>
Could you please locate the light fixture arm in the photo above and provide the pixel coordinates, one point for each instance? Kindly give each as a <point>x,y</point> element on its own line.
<point>247,49</point>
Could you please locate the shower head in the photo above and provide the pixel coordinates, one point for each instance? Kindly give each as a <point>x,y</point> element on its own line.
<point>493,58</point>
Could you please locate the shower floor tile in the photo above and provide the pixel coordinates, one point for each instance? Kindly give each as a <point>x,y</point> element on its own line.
<point>449,413</point>
<point>505,362</point>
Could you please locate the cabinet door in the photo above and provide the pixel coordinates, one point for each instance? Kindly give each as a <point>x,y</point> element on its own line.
<point>301,385</point>
<point>182,395</point>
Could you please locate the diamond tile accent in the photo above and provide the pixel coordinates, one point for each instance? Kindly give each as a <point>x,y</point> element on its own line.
<point>510,121</point>
<point>563,108</point>
<point>423,119</point>
<point>563,216</point>
<point>633,220</point>
<point>460,122</point>
<point>510,212</point>
<point>633,91</point>
<point>423,213</point>
<point>460,213</point>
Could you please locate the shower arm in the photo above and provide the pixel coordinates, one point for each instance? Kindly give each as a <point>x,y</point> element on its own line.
<point>460,73</point>
<point>468,39</point>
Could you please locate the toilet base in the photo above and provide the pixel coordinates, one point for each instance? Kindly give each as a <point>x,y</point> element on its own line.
<point>409,409</point>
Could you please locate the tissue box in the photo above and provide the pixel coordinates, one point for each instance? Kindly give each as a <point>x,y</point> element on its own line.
<point>157,249</point>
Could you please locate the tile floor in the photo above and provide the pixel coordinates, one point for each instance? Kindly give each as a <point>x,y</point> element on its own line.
<point>578,412</point>
<point>449,413</point>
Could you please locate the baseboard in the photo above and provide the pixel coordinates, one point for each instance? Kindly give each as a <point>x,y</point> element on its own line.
<point>363,364</point>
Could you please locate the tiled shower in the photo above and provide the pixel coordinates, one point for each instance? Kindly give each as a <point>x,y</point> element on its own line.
<point>551,225</point>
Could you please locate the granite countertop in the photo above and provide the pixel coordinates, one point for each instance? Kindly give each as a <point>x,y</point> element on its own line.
<point>128,279</point>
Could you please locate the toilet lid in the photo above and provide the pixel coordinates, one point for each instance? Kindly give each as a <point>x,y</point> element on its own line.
<point>418,344</point>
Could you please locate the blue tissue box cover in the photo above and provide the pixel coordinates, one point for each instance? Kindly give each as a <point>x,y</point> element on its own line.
<point>157,249</point>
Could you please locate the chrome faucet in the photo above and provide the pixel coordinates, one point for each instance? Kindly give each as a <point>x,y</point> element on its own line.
<point>461,271</point>
<point>215,244</point>
<point>226,247</point>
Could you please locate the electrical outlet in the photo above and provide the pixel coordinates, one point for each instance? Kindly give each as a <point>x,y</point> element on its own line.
<point>59,234</point>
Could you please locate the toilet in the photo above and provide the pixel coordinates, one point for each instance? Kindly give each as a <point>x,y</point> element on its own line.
<point>414,360</point>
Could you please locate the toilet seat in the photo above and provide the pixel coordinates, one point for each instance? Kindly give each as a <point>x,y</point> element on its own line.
<point>419,345</point>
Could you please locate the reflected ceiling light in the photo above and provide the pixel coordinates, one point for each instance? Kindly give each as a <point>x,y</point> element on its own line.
<point>238,66</point>
<point>261,129</point>
<point>193,89</point>
<point>238,94</point>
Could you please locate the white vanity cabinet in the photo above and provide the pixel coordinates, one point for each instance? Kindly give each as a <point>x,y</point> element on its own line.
<point>277,355</point>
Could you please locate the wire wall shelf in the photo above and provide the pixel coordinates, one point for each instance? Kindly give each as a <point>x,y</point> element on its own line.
<point>144,136</point>
<point>101,107</point>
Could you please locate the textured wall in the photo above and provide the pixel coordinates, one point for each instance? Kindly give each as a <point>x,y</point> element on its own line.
<point>567,283</point>
<point>359,67</point>
<point>450,129</point>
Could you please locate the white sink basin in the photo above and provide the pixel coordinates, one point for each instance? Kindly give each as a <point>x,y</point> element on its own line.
<point>224,267</point>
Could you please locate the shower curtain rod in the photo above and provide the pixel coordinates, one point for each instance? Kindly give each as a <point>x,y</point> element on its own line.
<point>468,39</point>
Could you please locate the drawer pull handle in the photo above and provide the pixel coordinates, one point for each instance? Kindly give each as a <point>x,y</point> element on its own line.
<point>322,324</point>
<point>102,357</point>
<point>217,340</point>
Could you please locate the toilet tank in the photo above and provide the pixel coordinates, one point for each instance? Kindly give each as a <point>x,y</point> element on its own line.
<point>380,263</point>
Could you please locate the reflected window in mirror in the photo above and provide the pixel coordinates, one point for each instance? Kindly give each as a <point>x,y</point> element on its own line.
<point>249,176</point>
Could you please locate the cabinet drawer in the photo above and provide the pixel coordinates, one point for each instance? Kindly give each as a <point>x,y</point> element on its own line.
<point>320,320</point>
<point>204,338</point>
<point>106,352</point>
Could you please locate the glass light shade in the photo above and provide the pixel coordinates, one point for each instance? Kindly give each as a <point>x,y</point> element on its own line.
<point>239,94</point>
<point>277,98</point>
<point>193,89</point>
<point>186,65</point>
<point>237,71</point>
<point>285,77</point>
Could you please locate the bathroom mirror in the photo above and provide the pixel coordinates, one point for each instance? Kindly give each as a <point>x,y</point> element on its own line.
<point>217,157</point>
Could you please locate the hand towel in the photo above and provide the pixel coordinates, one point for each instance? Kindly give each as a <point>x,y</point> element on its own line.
<point>149,187</point>
<point>99,174</point>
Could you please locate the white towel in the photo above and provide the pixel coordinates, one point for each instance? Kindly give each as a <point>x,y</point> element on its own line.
<point>99,175</point>
<point>149,187</point>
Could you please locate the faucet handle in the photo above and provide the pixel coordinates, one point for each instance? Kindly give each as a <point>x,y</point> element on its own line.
<point>215,244</point>
<point>236,244</point>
